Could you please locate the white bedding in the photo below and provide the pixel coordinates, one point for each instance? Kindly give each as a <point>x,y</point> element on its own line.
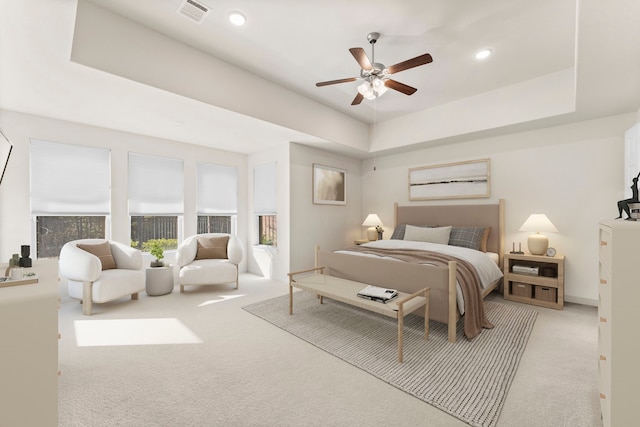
<point>485,263</point>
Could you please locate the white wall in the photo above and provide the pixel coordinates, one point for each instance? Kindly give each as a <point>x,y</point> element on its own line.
<point>330,226</point>
<point>15,215</point>
<point>270,261</point>
<point>571,173</point>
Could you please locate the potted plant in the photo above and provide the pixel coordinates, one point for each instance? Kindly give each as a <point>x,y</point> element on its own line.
<point>158,252</point>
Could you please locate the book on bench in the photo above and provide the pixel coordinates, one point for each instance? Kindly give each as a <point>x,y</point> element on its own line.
<point>375,293</point>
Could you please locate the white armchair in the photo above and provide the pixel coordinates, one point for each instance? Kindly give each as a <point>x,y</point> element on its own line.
<point>106,271</point>
<point>203,259</point>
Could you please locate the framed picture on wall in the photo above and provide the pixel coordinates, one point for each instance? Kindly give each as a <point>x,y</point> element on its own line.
<point>329,185</point>
<point>462,180</point>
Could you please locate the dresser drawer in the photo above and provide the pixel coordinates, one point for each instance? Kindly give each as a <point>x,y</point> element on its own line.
<point>605,246</point>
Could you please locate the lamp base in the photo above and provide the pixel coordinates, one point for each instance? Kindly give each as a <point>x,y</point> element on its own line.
<point>372,234</point>
<point>538,244</point>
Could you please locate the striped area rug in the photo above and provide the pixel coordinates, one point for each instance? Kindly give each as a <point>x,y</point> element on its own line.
<point>468,380</point>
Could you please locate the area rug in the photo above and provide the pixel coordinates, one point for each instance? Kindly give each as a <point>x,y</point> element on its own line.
<point>467,379</point>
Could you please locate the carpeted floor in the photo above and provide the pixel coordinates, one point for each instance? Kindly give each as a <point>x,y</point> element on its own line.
<point>468,379</point>
<point>199,359</point>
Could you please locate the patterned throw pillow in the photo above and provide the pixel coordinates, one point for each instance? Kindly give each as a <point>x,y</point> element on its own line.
<point>469,237</point>
<point>102,251</point>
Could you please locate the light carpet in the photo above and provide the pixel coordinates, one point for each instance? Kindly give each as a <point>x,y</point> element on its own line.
<point>467,379</point>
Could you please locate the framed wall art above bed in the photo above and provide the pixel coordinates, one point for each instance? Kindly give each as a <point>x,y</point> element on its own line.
<point>462,180</point>
<point>329,185</point>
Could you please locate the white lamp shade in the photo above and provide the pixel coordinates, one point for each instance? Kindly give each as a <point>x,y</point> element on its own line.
<point>372,220</point>
<point>538,223</point>
<point>538,243</point>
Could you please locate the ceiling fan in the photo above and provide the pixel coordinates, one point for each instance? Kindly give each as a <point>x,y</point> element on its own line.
<point>375,74</point>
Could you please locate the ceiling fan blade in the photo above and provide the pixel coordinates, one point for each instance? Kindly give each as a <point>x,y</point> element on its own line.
<point>332,82</point>
<point>358,99</point>
<point>410,63</point>
<point>400,87</point>
<point>361,57</point>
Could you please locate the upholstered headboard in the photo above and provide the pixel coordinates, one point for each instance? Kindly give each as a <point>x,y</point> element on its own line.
<point>477,215</point>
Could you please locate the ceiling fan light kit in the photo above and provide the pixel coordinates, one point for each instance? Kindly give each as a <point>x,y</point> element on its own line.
<point>375,74</point>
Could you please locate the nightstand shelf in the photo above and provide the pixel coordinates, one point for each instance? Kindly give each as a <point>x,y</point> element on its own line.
<point>545,289</point>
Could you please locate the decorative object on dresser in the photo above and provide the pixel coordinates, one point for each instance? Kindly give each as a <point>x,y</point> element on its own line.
<point>25,261</point>
<point>537,242</point>
<point>329,185</point>
<point>462,180</point>
<point>373,222</point>
<point>630,204</point>
<point>534,279</point>
<point>618,295</point>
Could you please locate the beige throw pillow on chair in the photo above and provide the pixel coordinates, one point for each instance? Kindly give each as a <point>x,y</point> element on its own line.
<point>212,247</point>
<point>102,251</point>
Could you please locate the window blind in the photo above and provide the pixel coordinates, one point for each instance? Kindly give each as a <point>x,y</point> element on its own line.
<point>217,189</point>
<point>69,179</point>
<point>156,185</point>
<point>264,189</point>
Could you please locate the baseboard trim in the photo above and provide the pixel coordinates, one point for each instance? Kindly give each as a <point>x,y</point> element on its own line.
<point>583,301</point>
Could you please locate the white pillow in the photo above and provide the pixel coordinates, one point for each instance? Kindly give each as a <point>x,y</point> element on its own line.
<point>428,234</point>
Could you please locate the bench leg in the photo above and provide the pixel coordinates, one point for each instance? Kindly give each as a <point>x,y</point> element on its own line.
<point>400,332</point>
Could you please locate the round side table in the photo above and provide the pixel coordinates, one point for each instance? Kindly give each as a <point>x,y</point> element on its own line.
<point>159,280</point>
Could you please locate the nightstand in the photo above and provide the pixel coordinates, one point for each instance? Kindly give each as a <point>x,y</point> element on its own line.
<point>360,241</point>
<point>536,279</point>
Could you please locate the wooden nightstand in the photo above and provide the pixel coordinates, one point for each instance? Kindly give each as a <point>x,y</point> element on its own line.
<point>361,241</point>
<point>545,289</point>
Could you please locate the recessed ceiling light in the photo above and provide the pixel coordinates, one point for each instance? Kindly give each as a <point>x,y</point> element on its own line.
<point>483,54</point>
<point>237,18</point>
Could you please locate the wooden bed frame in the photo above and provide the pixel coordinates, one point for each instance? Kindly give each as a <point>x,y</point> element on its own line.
<point>408,277</point>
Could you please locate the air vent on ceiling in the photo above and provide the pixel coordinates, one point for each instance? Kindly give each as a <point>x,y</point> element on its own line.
<point>193,10</point>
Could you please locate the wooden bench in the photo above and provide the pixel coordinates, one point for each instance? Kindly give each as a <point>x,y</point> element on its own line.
<point>346,291</point>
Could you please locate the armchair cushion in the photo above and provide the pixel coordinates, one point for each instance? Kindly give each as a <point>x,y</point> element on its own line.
<point>102,251</point>
<point>212,247</point>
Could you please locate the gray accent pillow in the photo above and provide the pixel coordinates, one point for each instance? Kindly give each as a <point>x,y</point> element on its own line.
<point>467,237</point>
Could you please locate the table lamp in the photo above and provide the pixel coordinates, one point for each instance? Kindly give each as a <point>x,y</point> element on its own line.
<point>373,222</point>
<point>538,243</point>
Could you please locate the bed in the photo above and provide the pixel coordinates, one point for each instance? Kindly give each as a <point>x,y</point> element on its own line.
<point>368,264</point>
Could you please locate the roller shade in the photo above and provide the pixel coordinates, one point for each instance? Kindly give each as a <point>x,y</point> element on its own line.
<point>217,189</point>
<point>264,189</point>
<point>156,185</point>
<point>69,179</point>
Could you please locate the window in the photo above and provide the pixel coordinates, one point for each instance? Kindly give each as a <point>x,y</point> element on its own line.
<point>215,224</point>
<point>156,188</point>
<point>217,198</point>
<point>268,230</point>
<point>70,194</point>
<point>264,203</point>
<point>52,232</point>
